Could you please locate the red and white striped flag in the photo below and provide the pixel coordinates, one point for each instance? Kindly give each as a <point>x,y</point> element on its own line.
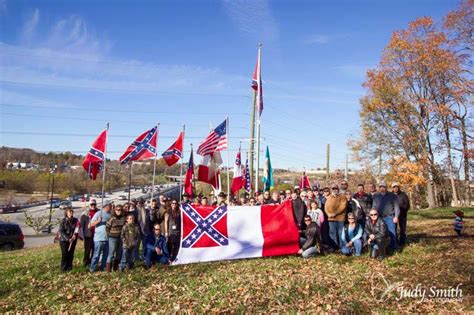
<point>237,181</point>
<point>215,141</point>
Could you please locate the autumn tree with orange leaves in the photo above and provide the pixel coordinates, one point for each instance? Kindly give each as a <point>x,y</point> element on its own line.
<point>417,112</point>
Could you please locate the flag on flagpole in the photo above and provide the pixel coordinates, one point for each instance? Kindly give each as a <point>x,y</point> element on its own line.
<point>143,148</point>
<point>304,181</point>
<point>211,233</point>
<point>215,141</point>
<point>267,172</point>
<point>208,170</point>
<point>257,83</point>
<point>94,160</point>
<point>237,181</point>
<point>246,177</point>
<point>188,180</point>
<point>175,152</point>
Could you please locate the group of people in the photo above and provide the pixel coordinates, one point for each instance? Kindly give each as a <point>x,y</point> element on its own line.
<point>113,235</point>
<point>329,219</point>
<point>333,218</point>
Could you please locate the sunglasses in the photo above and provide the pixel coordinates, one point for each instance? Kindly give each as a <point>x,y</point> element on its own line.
<point>157,229</point>
<point>350,218</point>
<point>373,214</point>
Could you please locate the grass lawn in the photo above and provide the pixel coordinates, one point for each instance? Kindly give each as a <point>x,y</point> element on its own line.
<point>30,279</point>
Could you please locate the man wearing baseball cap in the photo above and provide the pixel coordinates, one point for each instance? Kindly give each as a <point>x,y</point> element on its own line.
<point>386,203</point>
<point>404,204</point>
<point>101,240</point>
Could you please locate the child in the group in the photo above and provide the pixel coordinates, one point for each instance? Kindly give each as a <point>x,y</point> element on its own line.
<point>458,224</point>
<point>130,236</point>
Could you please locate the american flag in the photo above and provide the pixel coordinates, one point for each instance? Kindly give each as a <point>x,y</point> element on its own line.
<point>144,147</point>
<point>215,141</point>
<point>247,184</point>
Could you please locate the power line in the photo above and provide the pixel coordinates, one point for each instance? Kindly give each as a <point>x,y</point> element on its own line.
<point>30,133</point>
<point>92,109</point>
<point>152,91</point>
<point>102,120</point>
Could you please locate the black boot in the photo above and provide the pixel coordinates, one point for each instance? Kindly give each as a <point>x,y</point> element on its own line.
<point>374,253</point>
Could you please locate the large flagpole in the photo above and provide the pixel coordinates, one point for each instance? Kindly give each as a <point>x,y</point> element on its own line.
<point>154,163</point>
<point>228,159</point>
<point>181,168</point>
<point>105,164</point>
<point>258,94</point>
<point>193,180</point>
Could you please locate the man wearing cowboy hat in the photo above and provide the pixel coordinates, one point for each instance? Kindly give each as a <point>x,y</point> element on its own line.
<point>404,204</point>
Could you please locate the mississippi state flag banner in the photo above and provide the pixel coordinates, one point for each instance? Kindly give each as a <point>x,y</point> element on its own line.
<point>211,233</point>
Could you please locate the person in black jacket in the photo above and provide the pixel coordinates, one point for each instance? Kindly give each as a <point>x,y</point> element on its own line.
<point>404,204</point>
<point>377,235</point>
<point>312,240</point>
<point>299,211</point>
<point>365,202</point>
<point>68,230</point>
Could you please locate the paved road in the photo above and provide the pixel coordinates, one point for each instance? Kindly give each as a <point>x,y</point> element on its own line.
<point>33,240</point>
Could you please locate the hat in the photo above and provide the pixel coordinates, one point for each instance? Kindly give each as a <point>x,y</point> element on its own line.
<point>459,213</point>
<point>382,184</point>
<point>185,195</point>
<point>334,186</point>
<point>282,192</point>
<point>93,201</point>
<point>107,203</point>
<point>395,184</point>
<point>222,194</point>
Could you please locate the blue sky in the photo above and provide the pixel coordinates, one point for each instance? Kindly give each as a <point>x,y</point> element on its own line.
<point>67,67</point>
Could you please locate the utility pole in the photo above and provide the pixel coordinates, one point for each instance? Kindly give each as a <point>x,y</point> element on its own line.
<point>52,169</point>
<point>345,170</point>
<point>328,155</point>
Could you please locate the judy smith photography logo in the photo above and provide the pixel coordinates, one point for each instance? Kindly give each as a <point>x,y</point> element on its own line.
<point>400,291</point>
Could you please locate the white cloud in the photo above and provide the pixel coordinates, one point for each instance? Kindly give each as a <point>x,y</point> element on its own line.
<point>254,18</point>
<point>318,39</point>
<point>29,28</point>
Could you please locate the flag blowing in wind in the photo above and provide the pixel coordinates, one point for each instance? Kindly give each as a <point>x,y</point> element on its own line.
<point>211,233</point>
<point>208,170</point>
<point>304,181</point>
<point>188,180</point>
<point>94,159</point>
<point>143,148</point>
<point>246,178</point>
<point>237,181</point>
<point>175,152</point>
<point>257,84</point>
<point>215,141</point>
<point>267,172</point>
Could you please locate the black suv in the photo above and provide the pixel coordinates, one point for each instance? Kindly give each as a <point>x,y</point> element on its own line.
<point>11,236</point>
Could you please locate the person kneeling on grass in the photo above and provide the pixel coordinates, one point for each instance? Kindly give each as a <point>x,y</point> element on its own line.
<point>157,250</point>
<point>312,240</point>
<point>130,237</point>
<point>351,238</point>
<point>377,235</point>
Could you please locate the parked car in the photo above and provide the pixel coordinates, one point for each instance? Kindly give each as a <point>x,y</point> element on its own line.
<point>9,208</point>
<point>11,236</point>
<point>65,204</point>
<point>122,197</point>
<point>55,202</point>
<point>74,198</point>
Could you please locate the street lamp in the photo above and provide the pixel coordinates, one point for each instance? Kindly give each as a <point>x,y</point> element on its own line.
<point>52,169</point>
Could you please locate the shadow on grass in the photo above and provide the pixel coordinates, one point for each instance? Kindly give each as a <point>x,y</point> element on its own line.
<point>419,237</point>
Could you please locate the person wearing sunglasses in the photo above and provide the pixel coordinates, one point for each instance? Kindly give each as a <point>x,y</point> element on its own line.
<point>157,249</point>
<point>351,237</point>
<point>311,242</point>
<point>377,235</point>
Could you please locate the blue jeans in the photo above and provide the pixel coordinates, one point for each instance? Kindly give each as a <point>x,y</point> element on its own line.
<point>115,249</point>
<point>312,251</point>
<point>151,257</point>
<point>128,258</point>
<point>392,231</point>
<point>356,246</point>
<point>335,232</point>
<point>100,248</point>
